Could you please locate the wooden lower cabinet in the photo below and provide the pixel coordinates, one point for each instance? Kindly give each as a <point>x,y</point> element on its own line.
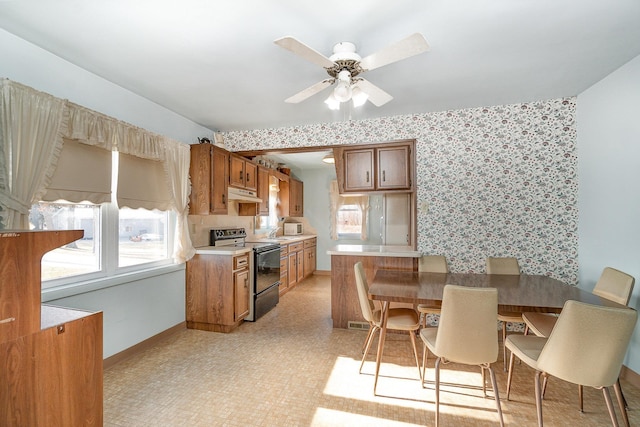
<point>345,305</point>
<point>309,257</point>
<point>50,357</point>
<point>284,267</point>
<point>217,291</point>
<point>54,377</point>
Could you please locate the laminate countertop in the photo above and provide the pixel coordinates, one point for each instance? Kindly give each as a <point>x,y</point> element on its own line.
<point>222,250</point>
<point>375,250</point>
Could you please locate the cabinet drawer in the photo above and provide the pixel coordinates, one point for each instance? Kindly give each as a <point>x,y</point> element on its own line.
<point>310,242</point>
<point>241,261</point>
<point>284,249</point>
<point>295,247</point>
<point>283,264</point>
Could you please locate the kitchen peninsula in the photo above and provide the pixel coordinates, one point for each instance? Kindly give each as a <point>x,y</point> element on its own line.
<point>345,307</point>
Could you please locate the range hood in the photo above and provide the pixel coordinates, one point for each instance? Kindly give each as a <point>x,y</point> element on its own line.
<point>242,195</point>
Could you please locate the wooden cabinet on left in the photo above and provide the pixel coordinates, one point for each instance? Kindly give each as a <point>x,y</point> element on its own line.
<point>209,173</point>
<point>50,357</point>
<point>217,291</point>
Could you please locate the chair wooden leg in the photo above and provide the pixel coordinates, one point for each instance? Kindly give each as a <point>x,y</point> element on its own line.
<point>510,374</point>
<point>504,348</point>
<point>484,381</point>
<point>425,352</point>
<point>538,398</point>
<point>612,413</point>
<point>366,340</point>
<point>437,374</point>
<point>621,402</point>
<point>496,394</point>
<point>366,350</point>
<point>626,405</point>
<point>545,378</point>
<point>412,335</point>
<point>580,398</point>
<point>526,329</point>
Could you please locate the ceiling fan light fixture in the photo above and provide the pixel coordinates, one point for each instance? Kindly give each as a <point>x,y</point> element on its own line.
<point>358,96</point>
<point>332,102</point>
<point>342,92</point>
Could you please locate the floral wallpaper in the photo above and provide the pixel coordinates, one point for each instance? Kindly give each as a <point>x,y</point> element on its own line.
<point>491,181</point>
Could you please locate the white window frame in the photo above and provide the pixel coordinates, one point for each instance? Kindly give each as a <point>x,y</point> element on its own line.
<point>109,253</point>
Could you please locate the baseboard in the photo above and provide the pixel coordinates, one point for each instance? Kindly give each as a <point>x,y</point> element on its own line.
<point>630,376</point>
<point>322,273</point>
<point>141,346</point>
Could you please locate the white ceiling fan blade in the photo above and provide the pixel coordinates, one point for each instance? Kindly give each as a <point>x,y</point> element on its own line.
<point>304,51</point>
<point>377,96</point>
<point>405,48</point>
<point>310,91</point>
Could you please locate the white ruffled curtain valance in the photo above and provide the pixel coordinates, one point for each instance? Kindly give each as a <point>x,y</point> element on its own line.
<point>32,127</point>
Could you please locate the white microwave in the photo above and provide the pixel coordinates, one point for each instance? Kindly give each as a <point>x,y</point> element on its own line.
<point>292,228</point>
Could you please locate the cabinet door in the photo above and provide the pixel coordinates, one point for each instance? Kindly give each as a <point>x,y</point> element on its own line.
<point>393,168</point>
<point>309,260</point>
<point>250,175</point>
<point>296,190</point>
<point>358,170</point>
<point>300,265</point>
<point>200,174</point>
<point>241,284</point>
<point>284,278</point>
<point>263,191</point>
<point>219,181</point>
<point>292,268</point>
<point>236,171</point>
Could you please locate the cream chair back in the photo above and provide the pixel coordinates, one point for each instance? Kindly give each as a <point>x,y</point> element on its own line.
<point>363,293</point>
<point>433,264</point>
<point>614,285</point>
<point>588,344</point>
<point>467,329</point>
<point>502,265</point>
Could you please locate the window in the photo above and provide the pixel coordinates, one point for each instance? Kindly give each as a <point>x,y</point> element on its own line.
<point>115,240</point>
<point>79,257</point>
<point>142,238</point>
<point>349,220</point>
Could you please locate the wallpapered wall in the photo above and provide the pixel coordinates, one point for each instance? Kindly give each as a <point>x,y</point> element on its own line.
<point>498,181</point>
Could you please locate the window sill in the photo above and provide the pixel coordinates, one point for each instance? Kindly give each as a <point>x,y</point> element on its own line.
<point>77,288</point>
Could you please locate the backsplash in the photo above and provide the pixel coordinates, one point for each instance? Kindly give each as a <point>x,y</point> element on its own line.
<point>495,181</point>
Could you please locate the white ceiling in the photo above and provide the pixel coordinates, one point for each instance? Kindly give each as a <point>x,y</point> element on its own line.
<point>215,62</point>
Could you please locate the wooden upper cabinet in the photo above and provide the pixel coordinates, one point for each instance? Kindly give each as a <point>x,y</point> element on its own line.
<point>376,168</point>
<point>219,181</point>
<point>209,172</point>
<point>254,209</point>
<point>243,173</point>
<point>296,198</point>
<point>263,190</point>
<point>359,170</point>
<point>393,168</point>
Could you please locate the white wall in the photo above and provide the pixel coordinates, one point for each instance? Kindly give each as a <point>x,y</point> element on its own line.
<point>134,310</point>
<point>30,65</point>
<point>609,172</point>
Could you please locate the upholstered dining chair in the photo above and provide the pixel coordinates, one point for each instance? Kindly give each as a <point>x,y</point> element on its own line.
<point>586,347</point>
<point>505,266</point>
<point>613,285</point>
<point>401,319</point>
<point>466,334</point>
<point>431,264</point>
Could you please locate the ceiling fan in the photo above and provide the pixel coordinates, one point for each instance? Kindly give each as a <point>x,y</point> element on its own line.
<point>345,67</point>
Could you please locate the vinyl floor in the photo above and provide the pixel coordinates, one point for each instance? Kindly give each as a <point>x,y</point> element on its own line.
<point>291,368</point>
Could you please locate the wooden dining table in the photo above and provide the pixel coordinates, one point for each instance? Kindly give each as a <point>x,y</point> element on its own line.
<point>517,293</point>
